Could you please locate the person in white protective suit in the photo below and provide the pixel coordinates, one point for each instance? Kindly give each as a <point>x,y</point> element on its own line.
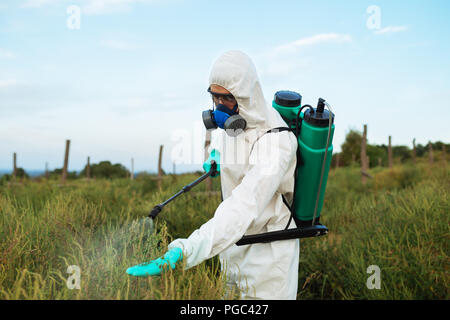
<point>256,169</point>
<point>252,188</point>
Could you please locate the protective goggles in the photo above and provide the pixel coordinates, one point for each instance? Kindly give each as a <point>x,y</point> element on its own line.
<point>224,97</point>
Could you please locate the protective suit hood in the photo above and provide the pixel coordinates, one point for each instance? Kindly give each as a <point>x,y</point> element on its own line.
<point>235,72</point>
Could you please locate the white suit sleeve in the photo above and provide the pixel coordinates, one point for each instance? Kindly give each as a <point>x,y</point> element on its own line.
<point>247,201</point>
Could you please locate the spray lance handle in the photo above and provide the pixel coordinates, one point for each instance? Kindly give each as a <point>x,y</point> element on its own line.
<point>213,171</point>
<point>214,157</point>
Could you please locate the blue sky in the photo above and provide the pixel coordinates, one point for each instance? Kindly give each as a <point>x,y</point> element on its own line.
<point>134,75</point>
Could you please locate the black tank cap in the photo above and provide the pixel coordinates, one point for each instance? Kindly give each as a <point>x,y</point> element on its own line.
<point>287,98</point>
<point>318,119</point>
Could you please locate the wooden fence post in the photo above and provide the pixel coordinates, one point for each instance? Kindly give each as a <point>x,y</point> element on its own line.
<point>390,153</point>
<point>430,152</point>
<point>88,168</point>
<point>160,168</point>
<point>46,170</point>
<point>414,151</point>
<point>379,162</point>
<point>66,162</point>
<point>132,169</point>
<point>14,166</point>
<point>444,153</point>
<point>207,144</point>
<point>337,160</point>
<point>364,165</point>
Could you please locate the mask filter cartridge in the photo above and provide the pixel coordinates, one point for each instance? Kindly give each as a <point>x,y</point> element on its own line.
<point>224,118</point>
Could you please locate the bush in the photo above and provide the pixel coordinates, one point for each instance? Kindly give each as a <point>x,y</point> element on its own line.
<point>57,173</point>
<point>105,169</point>
<point>396,178</point>
<point>4,179</point>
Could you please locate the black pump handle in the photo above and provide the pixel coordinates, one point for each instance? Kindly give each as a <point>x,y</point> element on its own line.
<point>321,105</point>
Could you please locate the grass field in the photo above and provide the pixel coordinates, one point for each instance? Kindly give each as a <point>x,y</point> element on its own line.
<point>398,221</point>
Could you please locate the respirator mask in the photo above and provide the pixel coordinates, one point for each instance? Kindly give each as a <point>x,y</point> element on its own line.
<point>222,116</point>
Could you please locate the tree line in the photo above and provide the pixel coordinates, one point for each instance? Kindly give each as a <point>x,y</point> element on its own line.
<point>103,169</point>
<point>351,151</point>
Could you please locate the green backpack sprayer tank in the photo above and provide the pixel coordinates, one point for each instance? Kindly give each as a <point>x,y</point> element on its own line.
<point>313,143</point>
<point>314,130</point>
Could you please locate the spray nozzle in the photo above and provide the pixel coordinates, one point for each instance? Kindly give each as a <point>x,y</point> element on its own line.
<point>155,211</point>
<point>321,105</point>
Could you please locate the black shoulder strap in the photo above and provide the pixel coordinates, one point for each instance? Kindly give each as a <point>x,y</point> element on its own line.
<point>273,130</point>
<point>279,129</point>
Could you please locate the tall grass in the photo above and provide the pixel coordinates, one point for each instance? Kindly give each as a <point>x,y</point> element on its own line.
<point>96,226</point>
<point>398,221</point>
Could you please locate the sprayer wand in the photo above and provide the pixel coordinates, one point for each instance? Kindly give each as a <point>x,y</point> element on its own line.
<point>320,108</point>
<point>212,172</point>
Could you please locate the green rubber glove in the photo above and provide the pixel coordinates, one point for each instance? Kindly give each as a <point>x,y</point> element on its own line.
<point>214,155</point>
<point>155,267</point>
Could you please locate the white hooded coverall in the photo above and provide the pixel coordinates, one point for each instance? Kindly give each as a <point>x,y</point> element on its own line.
<point>253,176</point>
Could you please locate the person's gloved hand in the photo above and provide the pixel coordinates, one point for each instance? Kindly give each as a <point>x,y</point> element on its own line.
<point>215,155</point>
<point>155,267</point>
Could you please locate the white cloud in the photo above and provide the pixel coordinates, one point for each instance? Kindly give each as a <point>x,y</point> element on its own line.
<point>6,54</point>
<point>107,6</point>
<point>110,6</point>
<point>92,6</point>
<point>284,59</point>
<point>284,67</point>
<point>37,3</point>
<point>293,46</point>
<point>7,83</point>
<point>391,29</point>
